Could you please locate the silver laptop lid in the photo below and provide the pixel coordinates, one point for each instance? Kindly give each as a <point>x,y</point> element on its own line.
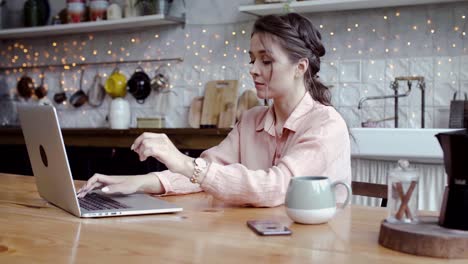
<point>46,150</point>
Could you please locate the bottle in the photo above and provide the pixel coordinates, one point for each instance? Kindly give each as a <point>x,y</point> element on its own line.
<point>31,13</point>
<point>2,15</point>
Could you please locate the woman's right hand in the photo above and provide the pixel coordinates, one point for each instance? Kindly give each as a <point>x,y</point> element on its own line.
<point>122,184</point>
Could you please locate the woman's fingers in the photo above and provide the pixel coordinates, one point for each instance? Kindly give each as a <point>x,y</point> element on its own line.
<point>82,192</point>
<point>148,153</point>
<point>121,188</point>
<point>136,144</point>
<point>158,146</point>
<point>91,181</point>
<point>96,185</point>
<point>97,181</point>
<point>139,151</point>
<point>148,146</point>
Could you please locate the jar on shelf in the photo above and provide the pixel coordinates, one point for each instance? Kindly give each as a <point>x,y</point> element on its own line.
<point>31,13</point>
<point>76,11</point>
<point>36,13</point>
<point>163,7</point>
<point>98,9</point>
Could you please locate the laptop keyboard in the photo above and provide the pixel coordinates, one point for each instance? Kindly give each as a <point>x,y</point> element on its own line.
<point>95,201</point>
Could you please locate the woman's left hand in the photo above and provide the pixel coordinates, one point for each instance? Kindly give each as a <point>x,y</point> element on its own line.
<point>160,147</point>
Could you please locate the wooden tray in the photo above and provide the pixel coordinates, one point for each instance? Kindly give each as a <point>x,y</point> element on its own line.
<point>425,238</point>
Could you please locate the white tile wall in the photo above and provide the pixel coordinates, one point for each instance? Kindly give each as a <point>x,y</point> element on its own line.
<point>443,93</point>
<point>329,71</point>
<point>447,69</point>
<point>422,67</point>
<point>350,71</point>
<point>373,71</point>
<point>349,94</point>
<point>365,52</point>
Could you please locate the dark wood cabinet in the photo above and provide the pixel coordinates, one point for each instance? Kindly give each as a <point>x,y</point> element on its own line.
<point>104,151</point>
<point>85,161</point>
<point>15,159</point>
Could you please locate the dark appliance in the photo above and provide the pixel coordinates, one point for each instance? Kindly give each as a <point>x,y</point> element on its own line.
<point>454,209</point>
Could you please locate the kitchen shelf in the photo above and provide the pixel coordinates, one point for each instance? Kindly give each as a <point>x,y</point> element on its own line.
<point>78,65</point>
<point>90,27</point>
<point>313,6</point>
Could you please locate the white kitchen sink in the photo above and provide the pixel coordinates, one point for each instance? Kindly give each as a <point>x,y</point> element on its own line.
<point>418,145</point>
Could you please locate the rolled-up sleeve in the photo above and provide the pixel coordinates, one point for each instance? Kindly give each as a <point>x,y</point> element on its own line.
<point>226,152</point>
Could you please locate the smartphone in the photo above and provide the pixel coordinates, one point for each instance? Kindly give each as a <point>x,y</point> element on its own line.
<point>268,228</point>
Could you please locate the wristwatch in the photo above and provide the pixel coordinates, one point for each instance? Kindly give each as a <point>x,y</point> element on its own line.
<point>199,165</point>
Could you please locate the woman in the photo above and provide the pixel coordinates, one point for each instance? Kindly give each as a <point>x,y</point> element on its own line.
<point>300,134</point>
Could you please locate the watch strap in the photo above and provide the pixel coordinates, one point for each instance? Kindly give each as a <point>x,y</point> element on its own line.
<point>197,169</point>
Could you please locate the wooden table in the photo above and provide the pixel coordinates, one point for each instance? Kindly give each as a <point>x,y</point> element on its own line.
<point>207,231</point>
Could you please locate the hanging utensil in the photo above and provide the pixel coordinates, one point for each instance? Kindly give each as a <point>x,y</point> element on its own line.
<point>116,84</point>
<point>25,87</point>
<point>139,85</point>
<point>61,96</point>
<point>41,90</point>
<point>96,93</point>
<point>79,97</point>
<point>160,81</point>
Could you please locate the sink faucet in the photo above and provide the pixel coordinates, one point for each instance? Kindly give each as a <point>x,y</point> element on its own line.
<point>422,86</point>
<point>394,85</point>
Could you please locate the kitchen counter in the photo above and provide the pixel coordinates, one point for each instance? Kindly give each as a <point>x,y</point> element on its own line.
<point>183,138</point>
<point>420,145</point>
<point>371,143</point>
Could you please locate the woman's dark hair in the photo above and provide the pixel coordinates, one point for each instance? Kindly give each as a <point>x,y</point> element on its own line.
<point>300,39</point>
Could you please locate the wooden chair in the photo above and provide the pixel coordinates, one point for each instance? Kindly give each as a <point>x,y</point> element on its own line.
<point>374,190</point>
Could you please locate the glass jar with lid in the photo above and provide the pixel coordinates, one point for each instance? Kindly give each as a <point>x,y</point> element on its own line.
<point>403,193</point>
<point>76,11</point>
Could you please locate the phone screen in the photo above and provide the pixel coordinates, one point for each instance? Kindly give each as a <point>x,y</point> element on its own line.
<point>268,227</point>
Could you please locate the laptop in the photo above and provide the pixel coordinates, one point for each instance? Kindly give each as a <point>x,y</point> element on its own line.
<point>46,150</point>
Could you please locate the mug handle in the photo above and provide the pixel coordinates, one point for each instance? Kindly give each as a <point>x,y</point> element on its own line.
<point>348,190</point>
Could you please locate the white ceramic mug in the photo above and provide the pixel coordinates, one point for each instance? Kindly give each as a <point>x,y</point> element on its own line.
<point>311,199</point>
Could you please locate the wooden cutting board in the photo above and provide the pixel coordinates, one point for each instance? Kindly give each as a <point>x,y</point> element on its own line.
<point>247,100</point>
<point>195,112</point>
<point>219,104</point>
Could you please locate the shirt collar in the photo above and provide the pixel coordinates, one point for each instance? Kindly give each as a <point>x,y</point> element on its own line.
<point>267,121</point>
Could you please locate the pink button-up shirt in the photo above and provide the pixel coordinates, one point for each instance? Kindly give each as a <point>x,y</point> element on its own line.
<point>253,165</point>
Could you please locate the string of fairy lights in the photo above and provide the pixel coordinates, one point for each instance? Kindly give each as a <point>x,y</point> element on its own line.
<point>202,43</point>
<point>24,58</point>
